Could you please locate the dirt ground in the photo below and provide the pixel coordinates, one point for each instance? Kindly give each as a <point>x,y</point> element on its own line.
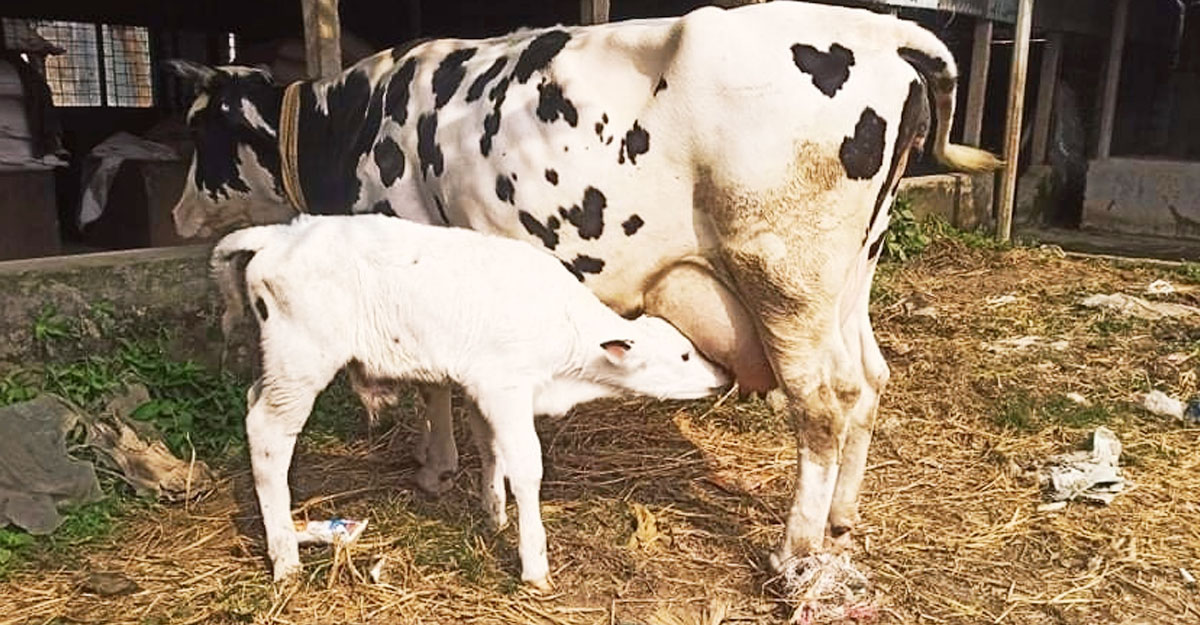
<point>663,513</point>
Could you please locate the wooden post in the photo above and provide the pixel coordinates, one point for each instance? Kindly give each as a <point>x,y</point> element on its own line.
<point>1012,128</point>
<point>593,12</point>
<point>322,38</point>
<point>981,58</point>
<point>1044,111</point>
<point>1112,78</point>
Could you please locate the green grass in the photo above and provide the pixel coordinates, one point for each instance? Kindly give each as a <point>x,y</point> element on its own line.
<point>194,409</point>
<point>1023,412</point>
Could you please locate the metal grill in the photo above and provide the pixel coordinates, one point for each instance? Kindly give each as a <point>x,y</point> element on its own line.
<point>127,74</point>
<point>75,77</point>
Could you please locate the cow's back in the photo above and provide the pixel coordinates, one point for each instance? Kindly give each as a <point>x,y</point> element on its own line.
<point>610,154</point>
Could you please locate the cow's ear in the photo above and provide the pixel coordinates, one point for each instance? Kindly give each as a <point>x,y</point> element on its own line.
<point>199,75</point>
<point>617,351</point>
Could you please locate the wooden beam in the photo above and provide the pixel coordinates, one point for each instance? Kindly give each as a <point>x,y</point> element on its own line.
<point>981,59</point>
<point>1012,128</point>
<point>322,38</point>
<point>593,11</point>
<point>1112,78</point>
<point>1043,113</point>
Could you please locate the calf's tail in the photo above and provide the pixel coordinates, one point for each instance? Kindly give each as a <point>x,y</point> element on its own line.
<point>228,265</point>
<point>933,61</point>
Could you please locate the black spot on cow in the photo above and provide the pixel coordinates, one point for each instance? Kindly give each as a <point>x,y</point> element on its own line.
<point>547,232</point>
<point>428,151</point>
<point>552,104</point>
<point>588,217</point>
<point>441,209</point>
<point>862,154</point>
<point>608,141</point>
<point>390,160</point>
<point>932,68</point>
<point>504,189</point>
<point>491,123</point>
<point>636,141</point>
<point>538,54</point>
<point>632,225</point>
<point>599,129</point>
<point>829,70</point>
<point>261,307</point>
<point>584,264</point>
<point>218,140</point>
<point>662,84</point>
<point>449,75</point>
<point>914,124</point>
<point>514,176</point>
<point>551,176</point>
<point>604,118</point>
<point>873,252</point>
<point>475,91</point>
<point>396,103</point>
<point>383,207</point>
<point>328,170</point>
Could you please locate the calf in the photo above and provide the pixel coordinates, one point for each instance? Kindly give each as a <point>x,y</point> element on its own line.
<point>395,300</point>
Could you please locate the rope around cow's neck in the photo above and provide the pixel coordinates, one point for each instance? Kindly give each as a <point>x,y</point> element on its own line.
<point>289,122</point>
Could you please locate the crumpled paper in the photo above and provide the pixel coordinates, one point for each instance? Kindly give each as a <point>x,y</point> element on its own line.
<point>1092,475</point>
<point>1138,307</point>
<point>140,454</point>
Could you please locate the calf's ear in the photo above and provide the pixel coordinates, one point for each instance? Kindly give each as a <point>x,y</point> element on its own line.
<point>616,350</point>
<point>199,75</point>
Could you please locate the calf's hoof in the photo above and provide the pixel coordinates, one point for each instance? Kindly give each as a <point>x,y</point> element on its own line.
<point>542,585</point>
<point>434,482</point>
<point>287,572</point>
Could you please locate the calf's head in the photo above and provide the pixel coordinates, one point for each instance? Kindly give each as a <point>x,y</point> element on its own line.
<point>660,362</point>
<point>234,178</point>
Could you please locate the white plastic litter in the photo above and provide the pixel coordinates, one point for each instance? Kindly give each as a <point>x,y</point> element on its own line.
<point>1138,307</point>
<point>1020,343</point>
<point>997,301</point>
<point>1088,475</point>
<point>1163,405</point>
<point>1160,287</point>
<point>333,531</point>
<point>1079,399</point>
<point>825,588</point>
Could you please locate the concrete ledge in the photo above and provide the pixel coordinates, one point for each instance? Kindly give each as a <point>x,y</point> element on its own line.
<point>1143,196</point>
<point>143,290</point>
<point>963,200</point>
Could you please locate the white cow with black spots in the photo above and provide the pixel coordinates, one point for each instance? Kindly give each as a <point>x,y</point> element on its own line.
<point>396,300</point>
<point>728,170</point>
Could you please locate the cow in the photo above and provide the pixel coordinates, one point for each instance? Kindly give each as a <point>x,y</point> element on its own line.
<point>394,300</point>
<point>730,171</point>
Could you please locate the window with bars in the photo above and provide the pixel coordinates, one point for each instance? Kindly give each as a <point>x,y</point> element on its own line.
<point>104,64</point>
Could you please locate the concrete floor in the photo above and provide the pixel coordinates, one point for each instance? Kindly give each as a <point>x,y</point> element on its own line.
<point>1115,244</point>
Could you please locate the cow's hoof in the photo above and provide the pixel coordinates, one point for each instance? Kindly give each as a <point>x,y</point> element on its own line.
<point>434,482</point>
<point>497,522</point>
<point>841,538</point>
<point>778,563</point>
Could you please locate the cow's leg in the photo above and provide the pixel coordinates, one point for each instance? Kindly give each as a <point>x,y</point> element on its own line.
<point>435,448</point>
<point>690,296</point>
<point>509,411</point>
<point>860,339</point>
<point>491,482</point>
<point>792,275</point>
<point>276,416</point>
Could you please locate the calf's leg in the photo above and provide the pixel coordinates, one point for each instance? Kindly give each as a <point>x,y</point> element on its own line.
<point>509,411</point>
<point>491,483</point>
<point>275,418</point>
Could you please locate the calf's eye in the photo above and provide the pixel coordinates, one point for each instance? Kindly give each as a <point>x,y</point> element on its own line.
<point>685,357</point>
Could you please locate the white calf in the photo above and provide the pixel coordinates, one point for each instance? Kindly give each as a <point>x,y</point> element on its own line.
<point>398,300</point>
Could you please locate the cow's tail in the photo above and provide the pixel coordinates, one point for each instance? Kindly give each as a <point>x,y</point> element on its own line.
<point>228,265</point>
<point>930,57</point>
